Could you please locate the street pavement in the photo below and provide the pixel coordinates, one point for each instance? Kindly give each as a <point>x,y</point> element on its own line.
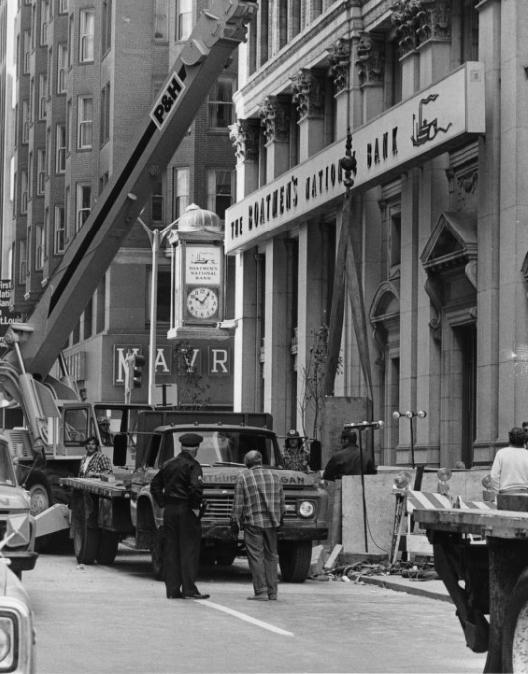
<point>117,620</point>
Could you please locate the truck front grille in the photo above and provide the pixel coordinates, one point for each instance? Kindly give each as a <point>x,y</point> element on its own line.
<point>219,507</point>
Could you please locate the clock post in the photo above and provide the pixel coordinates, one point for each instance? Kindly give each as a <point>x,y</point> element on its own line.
<point>203,348</point>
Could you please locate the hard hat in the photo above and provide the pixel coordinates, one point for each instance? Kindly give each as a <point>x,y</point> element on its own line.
<point>293,433</point>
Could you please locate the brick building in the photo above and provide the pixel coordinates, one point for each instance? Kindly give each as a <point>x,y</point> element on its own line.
<point>434,242</point>
<point>86,76</point>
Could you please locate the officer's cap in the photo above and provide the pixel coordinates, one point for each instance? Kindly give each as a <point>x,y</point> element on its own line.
<point>190,439</point>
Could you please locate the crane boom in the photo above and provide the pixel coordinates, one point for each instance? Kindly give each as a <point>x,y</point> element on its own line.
<point>218,31</point>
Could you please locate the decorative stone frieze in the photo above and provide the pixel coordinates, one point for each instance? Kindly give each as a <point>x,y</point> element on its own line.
<point>418,21</point>
<point>275,118</point>
<point>339,55</point>
<point>308,93</point>
<point>244,135</point>
<point>463,187</point>
<point>370,60</point>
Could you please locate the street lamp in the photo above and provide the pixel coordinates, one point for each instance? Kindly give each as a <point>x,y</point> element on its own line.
<point>409,414</point>
<point>156,238</point>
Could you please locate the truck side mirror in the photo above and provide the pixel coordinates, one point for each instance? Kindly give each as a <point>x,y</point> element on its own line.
<point>315,455</point>
<point>120,449</point>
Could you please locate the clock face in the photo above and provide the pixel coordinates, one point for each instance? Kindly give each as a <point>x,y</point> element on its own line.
<point>202,302</point>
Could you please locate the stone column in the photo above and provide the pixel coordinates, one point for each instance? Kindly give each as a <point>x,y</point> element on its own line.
<point>277,334</point>
<point>244,135</point>
<point>308,94</point>
<point>275,119</point>
<point>434,34</point>
<point>246,396</point>
<point>339,55</point>
<point>311,287</point>
<point>512,316</point>
<point>370,66</point>
<point>488,296</point>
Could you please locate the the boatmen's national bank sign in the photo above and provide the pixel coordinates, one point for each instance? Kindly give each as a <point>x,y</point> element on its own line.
<point>425,125</point>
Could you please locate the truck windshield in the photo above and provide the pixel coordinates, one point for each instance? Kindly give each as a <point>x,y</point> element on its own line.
<point>230,446</point>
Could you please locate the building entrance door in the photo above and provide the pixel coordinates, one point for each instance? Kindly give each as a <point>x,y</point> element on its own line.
<point>466,336</point>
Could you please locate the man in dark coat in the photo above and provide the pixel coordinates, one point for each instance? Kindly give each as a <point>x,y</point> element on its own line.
<point>347,461</point>
<point>178,488</point>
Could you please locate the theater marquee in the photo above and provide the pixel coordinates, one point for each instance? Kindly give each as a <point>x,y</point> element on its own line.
<point>434,120</point>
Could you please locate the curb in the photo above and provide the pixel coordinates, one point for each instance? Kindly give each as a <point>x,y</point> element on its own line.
<point>409,589</point>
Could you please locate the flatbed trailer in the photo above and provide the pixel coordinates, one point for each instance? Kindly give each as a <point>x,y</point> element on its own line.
<point>482,558</point>
<point>100,517</point>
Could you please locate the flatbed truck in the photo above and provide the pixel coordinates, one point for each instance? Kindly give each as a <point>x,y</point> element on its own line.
<point>482,558</point>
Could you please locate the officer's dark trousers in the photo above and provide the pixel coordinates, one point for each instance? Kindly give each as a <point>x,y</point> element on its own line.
<point>183,533</point>
<point>261,548</point>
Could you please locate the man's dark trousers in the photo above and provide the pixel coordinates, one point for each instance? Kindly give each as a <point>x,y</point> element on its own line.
<point>261,548</point>
<point>183,533</point>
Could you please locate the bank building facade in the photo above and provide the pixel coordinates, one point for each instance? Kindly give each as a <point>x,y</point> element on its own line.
<point>402,280</point>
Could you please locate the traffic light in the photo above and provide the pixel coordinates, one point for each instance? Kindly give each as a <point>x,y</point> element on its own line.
<point>137,370</point>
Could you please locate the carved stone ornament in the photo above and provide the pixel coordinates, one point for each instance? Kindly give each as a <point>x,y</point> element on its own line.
<point>244,135</point>
<point>275,118</point>
<point>339,55</point>
<point>308,93</point>
<point>417,21</point>
<point>370,60</point>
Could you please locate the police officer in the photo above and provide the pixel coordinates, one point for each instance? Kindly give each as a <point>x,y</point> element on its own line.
<point>178,488</point>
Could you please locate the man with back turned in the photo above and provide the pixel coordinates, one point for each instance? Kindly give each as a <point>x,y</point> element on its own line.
<point>178,488</point>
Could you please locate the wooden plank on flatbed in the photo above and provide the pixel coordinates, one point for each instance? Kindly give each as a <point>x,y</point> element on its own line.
<point>510,524</point>
<point>96,486</point>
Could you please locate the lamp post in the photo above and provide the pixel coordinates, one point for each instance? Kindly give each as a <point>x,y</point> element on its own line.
<point>362,426</point>
<point>156,238</point>
<point>409,414</point>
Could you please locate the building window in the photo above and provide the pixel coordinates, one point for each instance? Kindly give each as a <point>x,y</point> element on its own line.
<point>62,7</point>
<point>84,122</point>
<point>25,121</point>
<point>60,148</point>
<point>23,191</point>
<point>41,171</point>
<point>22,261</point>
<point>39,247</point>
<point>184,19</point>
<point>62,60</point>
<point>180,190</point>
<point>105,114</point>
<point>43,86</point>
<point>221,103</point>
<point>157,202</point>
<point>395,241</point>
<point>59,231</point>
<point>84,195</point>
<point>163,296</point>
<point>469,31</point>
<point>86,35</point>
<point>219,191</point>
<point>27,51</point>
<point>106,29</point>
<point>44,21</point>
<point>161,19</point>
<point>71,41</point>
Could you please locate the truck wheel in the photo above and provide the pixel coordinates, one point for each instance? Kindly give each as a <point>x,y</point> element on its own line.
<point>85,538</point>
<point>39,497</point>
<point>107,548</point>
<point>294,560</point>
<point>225,555</point>
<point>515,628</point>
<point>157,554</point>
<point>40,500</point>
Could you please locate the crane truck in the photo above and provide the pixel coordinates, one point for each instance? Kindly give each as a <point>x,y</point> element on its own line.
<point>56,421</point>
